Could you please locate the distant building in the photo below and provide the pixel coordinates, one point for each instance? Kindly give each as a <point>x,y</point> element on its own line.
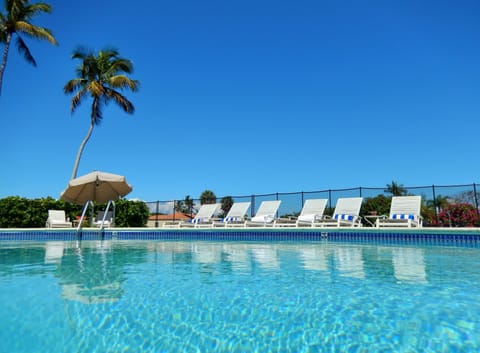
<point>157,220</point>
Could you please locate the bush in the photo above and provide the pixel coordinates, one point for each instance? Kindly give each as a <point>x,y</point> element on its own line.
<point>429,217</point>
<point>13,212</point>
<point>131,213</point>
<point>19,212</point>
<point>379,205</point>
<point>459,215</point>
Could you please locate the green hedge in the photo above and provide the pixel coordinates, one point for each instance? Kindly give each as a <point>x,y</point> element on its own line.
<point>131,213</point>
<point>19,212</point>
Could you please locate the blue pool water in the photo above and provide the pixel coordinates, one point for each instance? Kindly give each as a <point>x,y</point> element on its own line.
<point>203,296</point>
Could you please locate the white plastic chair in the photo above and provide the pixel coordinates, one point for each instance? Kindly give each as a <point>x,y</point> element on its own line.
<point>404,212</point>
<point>265,214</point>
<point>346,214</point>
<point>203,218</point>
<point>57,219</point>
<point>236,215</point>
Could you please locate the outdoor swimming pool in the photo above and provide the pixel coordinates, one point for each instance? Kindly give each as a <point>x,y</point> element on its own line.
<point>238,296</point>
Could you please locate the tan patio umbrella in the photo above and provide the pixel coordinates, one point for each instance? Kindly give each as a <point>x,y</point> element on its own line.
<point>96,186</point>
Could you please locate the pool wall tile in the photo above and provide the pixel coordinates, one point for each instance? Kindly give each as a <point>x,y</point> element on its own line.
<point>421,236</point>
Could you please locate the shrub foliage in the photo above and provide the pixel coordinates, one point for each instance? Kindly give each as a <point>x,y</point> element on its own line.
<point>459,215</point>
<point>19,212</point>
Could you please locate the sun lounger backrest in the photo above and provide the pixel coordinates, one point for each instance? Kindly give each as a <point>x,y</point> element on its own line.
<point>314,207</point>
<point>348,206</point>
<point>268,208</point>
<point>404,206</point>
<point>206,211</point>
<point>238,210</point>
<point>56,215</point>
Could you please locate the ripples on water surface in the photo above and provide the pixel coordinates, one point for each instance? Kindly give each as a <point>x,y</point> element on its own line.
<point>142,296</point>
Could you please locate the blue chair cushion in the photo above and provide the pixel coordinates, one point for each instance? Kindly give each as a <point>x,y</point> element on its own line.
<point>343,217</point>
<point>403,216</point>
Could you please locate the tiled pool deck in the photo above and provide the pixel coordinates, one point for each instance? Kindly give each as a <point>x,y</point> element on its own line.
<point>430,235</point>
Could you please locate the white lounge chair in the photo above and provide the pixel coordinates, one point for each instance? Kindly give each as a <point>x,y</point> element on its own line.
<point>346,214</point>
<point>57,219</point>
<point>203,218</point>
<point>312,211</point>
<point>235,217</point>
<point>104,221</point>
<point>404,212</point>
<point>265,215</point>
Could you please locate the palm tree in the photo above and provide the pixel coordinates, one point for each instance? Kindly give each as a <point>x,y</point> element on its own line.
<point>227,202</point>
<point>100,77</point>
<point>208,197</point>
<point>184,206</point>
<point>439,203</point>
<point>396,189</point>
<point>178,206</point>
<point>189,204</point>
<point>16,20</point>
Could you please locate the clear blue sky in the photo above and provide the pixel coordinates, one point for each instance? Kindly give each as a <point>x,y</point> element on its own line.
<point>250,97</point>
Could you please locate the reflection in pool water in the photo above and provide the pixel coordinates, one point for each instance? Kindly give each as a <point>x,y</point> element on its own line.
<point>409,264</point>
<point>170,296</point>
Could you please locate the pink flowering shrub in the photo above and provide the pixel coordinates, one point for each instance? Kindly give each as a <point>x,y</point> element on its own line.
<point>459,215</point>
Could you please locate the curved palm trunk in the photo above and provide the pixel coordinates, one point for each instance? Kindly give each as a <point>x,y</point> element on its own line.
<point>4,59</point>
<point>80,151</point>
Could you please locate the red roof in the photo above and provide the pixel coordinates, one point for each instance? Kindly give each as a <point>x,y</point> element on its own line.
<point>170,217</point>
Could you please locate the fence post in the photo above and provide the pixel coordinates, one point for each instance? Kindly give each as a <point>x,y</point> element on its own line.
<point>277,210</point>
<point>360,191</point>
<point>435,203</point>
<point>302,198</point>
<point>476,199</point>
<point>156,214</point>
<point>329,198</point>
<point>252,209</point>
<point>174,206</point>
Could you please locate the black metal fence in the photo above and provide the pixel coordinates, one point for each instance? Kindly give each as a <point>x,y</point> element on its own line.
<point>292,202</point>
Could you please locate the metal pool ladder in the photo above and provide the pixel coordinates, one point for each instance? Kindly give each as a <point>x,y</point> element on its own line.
<point>89,204</point>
